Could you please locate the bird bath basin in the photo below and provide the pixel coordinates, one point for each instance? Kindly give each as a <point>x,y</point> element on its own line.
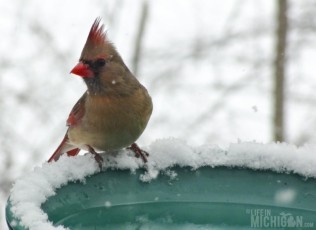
<point>203,198</point>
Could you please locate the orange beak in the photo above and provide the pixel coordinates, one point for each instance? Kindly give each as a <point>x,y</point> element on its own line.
<point>82,70</point>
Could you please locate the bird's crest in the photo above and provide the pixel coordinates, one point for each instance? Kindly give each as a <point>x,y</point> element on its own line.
<point>97,35</point>
<point>97,44</point>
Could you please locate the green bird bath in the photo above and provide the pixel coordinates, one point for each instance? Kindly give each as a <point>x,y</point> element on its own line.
<point>205,198</point>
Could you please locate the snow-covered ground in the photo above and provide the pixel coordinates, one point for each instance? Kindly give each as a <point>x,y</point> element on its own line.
<point>33,188</point>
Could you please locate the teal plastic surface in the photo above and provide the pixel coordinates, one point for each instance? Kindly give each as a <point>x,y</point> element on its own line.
<point>206,198</point>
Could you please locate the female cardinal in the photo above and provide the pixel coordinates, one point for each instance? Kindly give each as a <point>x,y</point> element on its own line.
<point>114,110</point>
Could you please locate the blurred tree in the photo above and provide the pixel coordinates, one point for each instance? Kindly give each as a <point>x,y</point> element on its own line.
<point>280,70</point>
<point>136,59</point>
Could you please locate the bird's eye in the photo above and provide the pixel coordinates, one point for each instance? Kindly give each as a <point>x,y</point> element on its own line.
<point>100,62</point>
<point>86,62</point>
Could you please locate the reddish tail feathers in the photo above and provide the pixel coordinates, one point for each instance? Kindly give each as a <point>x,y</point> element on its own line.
<point>64,147</point>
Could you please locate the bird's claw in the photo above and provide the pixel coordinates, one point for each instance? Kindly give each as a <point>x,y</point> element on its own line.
<point>139,152</point>
<point>97,156</point>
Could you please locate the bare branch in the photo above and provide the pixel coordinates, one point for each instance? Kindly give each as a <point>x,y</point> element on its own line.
<point>140,37</point>
<point>279,71</point>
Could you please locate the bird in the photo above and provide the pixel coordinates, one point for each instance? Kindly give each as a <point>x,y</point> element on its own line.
<point>114,110</point>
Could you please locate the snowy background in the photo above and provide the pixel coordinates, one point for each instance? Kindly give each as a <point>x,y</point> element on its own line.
<point>207,65</point>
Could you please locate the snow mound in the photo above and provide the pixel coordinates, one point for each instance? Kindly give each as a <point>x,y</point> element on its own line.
<point>33,188</point>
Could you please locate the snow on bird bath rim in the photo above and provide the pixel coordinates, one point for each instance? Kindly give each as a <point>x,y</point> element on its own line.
<point>33,188</point>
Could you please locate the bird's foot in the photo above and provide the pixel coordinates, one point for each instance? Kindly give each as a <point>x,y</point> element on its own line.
<point>139,152</point>
<point>96,155</point>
